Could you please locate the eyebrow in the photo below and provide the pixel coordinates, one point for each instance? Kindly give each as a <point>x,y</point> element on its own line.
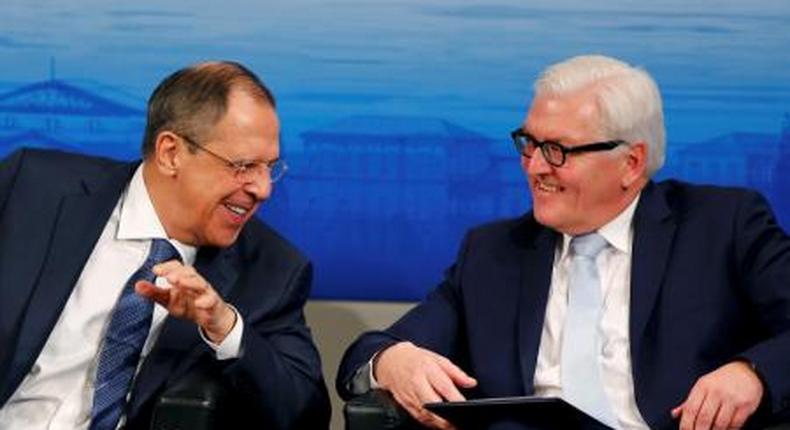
<point>255,160</point>
<point>532,135</point>
<point>563,140</point>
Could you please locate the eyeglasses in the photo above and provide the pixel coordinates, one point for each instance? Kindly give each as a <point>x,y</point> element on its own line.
<point>554,152</point>
<point>246,171</point>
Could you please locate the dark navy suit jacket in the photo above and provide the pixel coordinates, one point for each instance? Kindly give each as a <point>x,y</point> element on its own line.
<point>53,207</point>
<point>710,282</point>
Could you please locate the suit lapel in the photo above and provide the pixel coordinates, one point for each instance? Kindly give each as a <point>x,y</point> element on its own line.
<point>179,342</point>
<point>536,268</point>
<point>80,220</point>
<point>654,231</point>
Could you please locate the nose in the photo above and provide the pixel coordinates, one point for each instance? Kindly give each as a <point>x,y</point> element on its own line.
<point>260,187</point>
<point>535,165</point>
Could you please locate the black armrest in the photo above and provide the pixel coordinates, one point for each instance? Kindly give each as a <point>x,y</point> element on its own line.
<point>377,410</point>
<point>194,403</point>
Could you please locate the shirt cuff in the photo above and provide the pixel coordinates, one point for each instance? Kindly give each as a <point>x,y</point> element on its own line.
<point>363,379</point>
<point>373,383</point>
<point>230,347</point>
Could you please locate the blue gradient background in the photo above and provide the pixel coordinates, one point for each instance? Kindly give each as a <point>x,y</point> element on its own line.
<point>396,113</point>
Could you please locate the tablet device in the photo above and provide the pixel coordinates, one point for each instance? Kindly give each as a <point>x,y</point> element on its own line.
<point>533,412</point>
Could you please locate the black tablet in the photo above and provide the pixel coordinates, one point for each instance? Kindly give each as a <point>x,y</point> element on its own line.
<point>533,412</point>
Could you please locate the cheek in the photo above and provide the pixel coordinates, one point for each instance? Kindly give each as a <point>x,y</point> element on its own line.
<point>205,199</point>
<point>598,191</point>
<point>202,198</point>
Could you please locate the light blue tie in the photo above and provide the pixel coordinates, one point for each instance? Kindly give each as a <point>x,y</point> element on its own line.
<point>581,346</point>
<point>126,334</point>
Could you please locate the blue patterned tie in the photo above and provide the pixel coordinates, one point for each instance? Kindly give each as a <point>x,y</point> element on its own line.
<point>126,334</point>
<point>581,377</point>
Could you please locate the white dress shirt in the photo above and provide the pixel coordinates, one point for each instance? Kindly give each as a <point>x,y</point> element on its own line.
<point>57,393</point>
<point>614,267</point>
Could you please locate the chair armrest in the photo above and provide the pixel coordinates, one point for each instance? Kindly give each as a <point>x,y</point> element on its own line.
<point>194,403</point>
<point>377,410</point>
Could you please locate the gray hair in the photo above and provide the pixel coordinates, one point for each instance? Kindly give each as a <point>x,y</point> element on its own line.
<point>628,99</point>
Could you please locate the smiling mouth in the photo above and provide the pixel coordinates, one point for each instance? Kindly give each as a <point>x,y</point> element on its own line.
<point>238,210</point>
<point>547,188</point>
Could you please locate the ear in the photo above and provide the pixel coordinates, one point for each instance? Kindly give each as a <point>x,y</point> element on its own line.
<point>635,164</point>
<point>167,153</point>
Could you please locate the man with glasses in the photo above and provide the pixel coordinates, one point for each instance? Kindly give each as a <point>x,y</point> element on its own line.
<point>641,303</point>
<point>118,279</point>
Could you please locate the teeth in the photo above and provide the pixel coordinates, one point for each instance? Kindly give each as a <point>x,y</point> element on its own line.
<point>542,186</point>
<point>236,209</point>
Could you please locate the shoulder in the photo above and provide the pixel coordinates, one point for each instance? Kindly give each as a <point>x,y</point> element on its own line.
<point>258,240</point>
<point>57,163</point>
<point>681,191</point>
<point>685,198</point>
<point>507,233</point>
<point>38,175</point>
<point>709,211</point>
<point>500,227</point>
<point>264,259</point>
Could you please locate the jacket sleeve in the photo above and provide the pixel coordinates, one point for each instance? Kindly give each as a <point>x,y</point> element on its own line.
<point>763,255</point>
<point>279,369</point>
<point>435,324</point>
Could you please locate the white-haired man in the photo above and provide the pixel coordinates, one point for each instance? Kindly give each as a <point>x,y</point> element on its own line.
<point>644,304</point>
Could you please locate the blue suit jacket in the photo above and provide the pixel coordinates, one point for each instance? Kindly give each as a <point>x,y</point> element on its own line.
<point>53,207</point>
<point>710,282</point>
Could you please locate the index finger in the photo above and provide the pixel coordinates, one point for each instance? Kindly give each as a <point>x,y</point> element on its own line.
<point>691,409</point>
<point>152,292</point>
<point>443,385</point>
<point>455,373</point>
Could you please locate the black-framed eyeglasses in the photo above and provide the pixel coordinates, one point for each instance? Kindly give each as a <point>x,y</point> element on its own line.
<point>553,152</point>
<point>245,171</point>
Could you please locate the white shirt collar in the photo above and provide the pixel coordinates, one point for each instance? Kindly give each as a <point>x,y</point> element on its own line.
<point>618,232</point>
<point>139,221</point>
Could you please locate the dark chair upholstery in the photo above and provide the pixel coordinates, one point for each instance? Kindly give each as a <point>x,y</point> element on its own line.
<point>377,410</point>
<point>196,402</point>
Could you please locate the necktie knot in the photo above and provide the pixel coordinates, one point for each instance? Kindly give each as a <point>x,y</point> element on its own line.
<point>588,245</point>
<point>161,251</point>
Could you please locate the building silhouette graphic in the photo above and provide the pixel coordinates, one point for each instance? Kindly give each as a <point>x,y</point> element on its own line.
<point>377,194</point>
<point>57,114</point>
<point>380,203</point>
<point>737,159</point>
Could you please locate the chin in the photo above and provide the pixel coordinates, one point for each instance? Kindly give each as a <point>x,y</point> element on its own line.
<point>547,220</point>
<point>223,239</point>
<point>541,216</point>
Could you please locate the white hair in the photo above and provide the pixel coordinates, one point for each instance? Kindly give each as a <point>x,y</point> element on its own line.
<point>627,97</point>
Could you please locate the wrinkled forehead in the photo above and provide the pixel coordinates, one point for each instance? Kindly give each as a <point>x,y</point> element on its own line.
<point>566,118</point>
<point>249,128</point>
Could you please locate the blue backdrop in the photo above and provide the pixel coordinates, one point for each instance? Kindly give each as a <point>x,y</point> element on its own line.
<point>396,114</point>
